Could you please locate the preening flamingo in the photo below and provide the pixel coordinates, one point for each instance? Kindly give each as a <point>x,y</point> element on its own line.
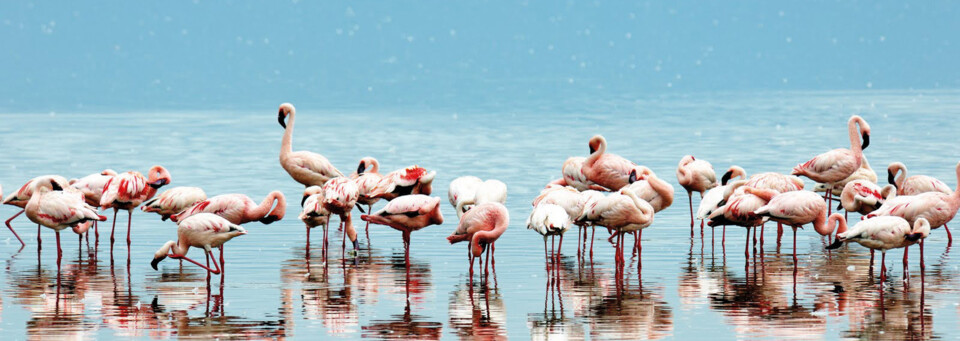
<point>406,214</point>
<point>314,214</point>
<point>938,208</point>
<point>480,227</point>
<point>173,201</point>
<point>202,230</point>
<point>573,176</point>
<point>488,191</point>
<point>367,177</point>
<point>339,197</point>
<point>92,188</point>
<point>779,183</point>
<point>897,176</point>
<point>695,176</point>
<point>410,180</point>
<point>862,173</point>
<point>714,197</point>
<point>307,168</point>
<point>879,233</point>
<point>738,210</point>
<point>239,208</point>
<point>549,220</point>
<point>606,169</point>
<point>21,197</point>
<point>463,189</point>
<point>796,208</point>
<point>571,200</point>
<point>648,187</point>
<point>838,164</point>
<point>622,212</point>
<point>52,206</point>
<point>861,196</point>
<point>128,190</point>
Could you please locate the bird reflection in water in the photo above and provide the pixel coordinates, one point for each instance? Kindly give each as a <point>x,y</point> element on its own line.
<point>416,282</point>
<point>477,312</point>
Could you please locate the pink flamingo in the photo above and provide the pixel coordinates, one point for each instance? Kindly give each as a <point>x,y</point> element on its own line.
<point>650,188</point>
<point>738,210</point>
<point>173,201</point>
<point>51,206</point>
<point>573,176</point>
<point>314,214</point>
<point>862,173</point>
<point>339,197</point>
<point>92,188</point>
<point>128,190</point>
<point>367,177</point>
<point>407,214</point>
<point>571,200</point>
<point>861,196</point>
<point>879,233</point>
<point>779,183</point>
<point>622,212</point>
<point>796,208</point>
<point>713,198</point>
<point>938,208</point>
<point>838,164</point>
<point>21,197</point>
<point>410,180</point>
<point>606,169</point>
<point>695,176</point>
<point>202,230</point>
<point>307,168</point>
<point>549,220</point>
<point>480,227</point>
<point>915,184</point>
<point>463,189</point>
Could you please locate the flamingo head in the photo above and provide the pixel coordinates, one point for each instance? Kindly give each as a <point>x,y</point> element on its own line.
<point>368,164</point>
<point>864,129</point>
<point>686,160</point>
<point>285,109</point>
<point>921,229</point>
<point>108,172</point>
<point>158,177</point>
<point>311,191</point>
<point>279,211</point>
<point>596,142</point>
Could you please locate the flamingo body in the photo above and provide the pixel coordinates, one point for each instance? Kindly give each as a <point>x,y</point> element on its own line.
<point>307,168</point>
<point>239,208</point>
<point>174,201</point>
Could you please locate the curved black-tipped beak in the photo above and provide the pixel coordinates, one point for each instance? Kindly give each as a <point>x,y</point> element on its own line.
<point>633,176</point>
<point>914,236</point>
<point>361,168</point>
<point>268,219</point>
<point>164,217</point>
<point>726,177</point>
<point>361,209</point>
<point>280,118</point>
<point>836,245</point>
<point>839,206</point>
<point>592,150</point>
<point>866,141</point>
<point>55,186</point>
<point>890,179</point>
<point>303,200</point>
<point>156,261</point>
<point>158,183</point>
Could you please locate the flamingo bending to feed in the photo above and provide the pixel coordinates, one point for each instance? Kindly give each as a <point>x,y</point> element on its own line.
<point>480,227</point>
<point>202,230</point>
<point>410,180</point>
<point>92,188</point>
<point>52,206</point>
<point>648,187</point>
<point>21,197</point>
<point>608,170</point>
<point>339,197</point>
<point>796,208</point>
<point>861,196</point>
<point>313,213</point>
<point>488,191</point>
<point>128,190</point>
<point>879,233</point>
<point>407,214</point>
<point>738,210</point>
<point>695,176</point>
<point>622,212</point>
<point>938,208</point>
<point>367,177</point>
<point>862,173</point>
<point>572,201</point>
<point>307,168</point>
<point>714,197</point>
<point>549,220</point>
<point>239,208</point>
<point>463,189</point>
<point>838,164</point>
<point>173,201</point>
<point>915,184</point>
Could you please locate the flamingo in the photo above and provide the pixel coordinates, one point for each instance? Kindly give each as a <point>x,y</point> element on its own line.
<point>92,187</point>
<point>738,210</point>
<point>695,176</point>
<point>571,200</point>
<point>879,233</point>
<point>481,226</point>
<point>488,191</point>
<point>622,212</point>
<point>573,176</point>
<point>367,177</point>
<point>407,214</point>
<point>938,208</point>
<point>52,206</point>
<point>777,182</point>
<point>838,164</point>
<point>128,190</point>
<point>796,208</point>
<point>307,168</point>
<point>339,197</point>
<point>862,173</point>
<point>21,197</point>
<point>915,184</point>
<point>462,189</point>
<point>173,201</point>
<point>313,213</point>
<point>239,209</point>
<point>202,230</point>
<point>606,169</point>
<point>410,180</point>
<point>648,187</point>
<point>549,220</point>
<point>714,197</point>
<point>861,196</point>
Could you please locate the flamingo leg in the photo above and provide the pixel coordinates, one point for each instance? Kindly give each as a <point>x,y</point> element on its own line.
<point>746,247</point>
<point>223,265</point>
<point>794,247</point>
<point>129,222</point>
<point>949,235</point>
<point>921,260</point>
<point>406,248</point>
<point>184,257</point>
<point>593,233</point>
<point>39,244</point>
<point>114,228</point>
<point>22,244</point>
<point>486,263</point>
<point>883,270</point>
<point>59,252</point>
<point>639,251</point>
<point>690,201</point>
<point>308,241</point>
<point>906,251</point>
<point>96,232</point>
<point>558,250</point>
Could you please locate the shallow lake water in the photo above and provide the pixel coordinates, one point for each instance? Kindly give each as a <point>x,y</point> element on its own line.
<point>689,287</point>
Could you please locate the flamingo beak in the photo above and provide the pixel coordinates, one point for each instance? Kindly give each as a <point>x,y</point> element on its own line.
<point>726,177</point>
<point>890,178</point>
<point>361,168</point>
<point>914,236</point>
<point>633,176</point>
<point>836,245</point>
<point>592,150</point>
<point>303,200</point>
<point>156,261</point>
<point>158,183</point>
<point>280,117</point>
<point>866,140</point>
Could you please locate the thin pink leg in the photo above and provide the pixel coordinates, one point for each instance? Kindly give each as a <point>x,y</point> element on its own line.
<point>39,244</point>
<point>114,228</point>
<point>690,197</point>
<point>949,235</point>
<point>59,252</point>
<point>129,222</point>
<point>22,244</point>
<point>184,257</point>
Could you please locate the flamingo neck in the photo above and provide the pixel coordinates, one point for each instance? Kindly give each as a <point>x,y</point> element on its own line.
<point>150,191</point>
<point>901,171</point>
<point>820,223</point>
<point>663,189</point>
<point>601,148</point>
<point>262,210</point>
<point>854,133</point>
<point>286,146</point>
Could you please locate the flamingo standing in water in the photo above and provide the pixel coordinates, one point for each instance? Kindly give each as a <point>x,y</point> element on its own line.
<point>202,230</point>
<point>488,191</point>
<point>879,233</point>
<point>367,177</point>
<point>21,197</point>
<point>795,209</point>
<point>407,214</point>
<point>52,206</point>
<point>915,184</point>
<point>307,168</point>
<point>695,176</point>
<point>463,189</point>
<point>572,201</point>
<point>480,227</point>
<point>738,210</point>
<point>92,188</point>
<point>714,197</point>
<point>838,164</point>
<point>339,197</point>
<point>779,183</point>
<point>861,196</point>
<point>173,201</point>
<point>622,212</point>
<point>128,190</point>
<point>549,220</point>
<point>648,187</point>
<point>410,180</point>
<point>606,169</point>
<point>862,173</point>
<point>938,208</point>
<point>314,214</point>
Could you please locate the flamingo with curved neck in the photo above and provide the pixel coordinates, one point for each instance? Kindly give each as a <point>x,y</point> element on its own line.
<point>604,169</point>
<point>307,168</point>
<point>838,164</point>
<point>897,176</point>
<point>481,226</point>
<point>128,190</point>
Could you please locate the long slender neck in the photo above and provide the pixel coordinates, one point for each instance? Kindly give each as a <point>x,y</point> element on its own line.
<point>820,223</point>
<point>663,189</point>
<point>901,172</point>
<point>178,248</point>
<point>261,210</point>
<point>286,145</point>
<point>150,193</point>
<point>601,148</point>
<point>854,138</point>
<point>489,236</point>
